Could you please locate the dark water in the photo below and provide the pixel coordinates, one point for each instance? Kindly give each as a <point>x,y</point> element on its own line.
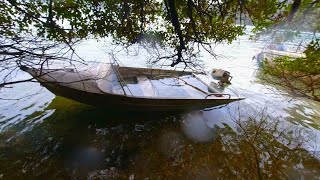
<point>77,142</point>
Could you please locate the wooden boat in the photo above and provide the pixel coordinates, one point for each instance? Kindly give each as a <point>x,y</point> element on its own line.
<point>130,88</point>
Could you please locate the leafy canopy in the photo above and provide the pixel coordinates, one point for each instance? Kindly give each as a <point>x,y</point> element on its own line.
<point>299,75</point>
<point>178,24</point>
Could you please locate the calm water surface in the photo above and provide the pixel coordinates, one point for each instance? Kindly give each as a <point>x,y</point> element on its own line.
<point>268,135</point>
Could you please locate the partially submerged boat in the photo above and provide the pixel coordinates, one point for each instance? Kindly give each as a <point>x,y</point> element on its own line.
<point>130,88</point>
<point>277,50</point>
<point>271,54</point>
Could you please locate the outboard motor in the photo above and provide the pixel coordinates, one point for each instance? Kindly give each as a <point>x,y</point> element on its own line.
<point>221,75</point>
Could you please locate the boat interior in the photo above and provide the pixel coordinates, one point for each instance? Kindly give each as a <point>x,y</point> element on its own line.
<point>144,82</point>
<point>137,82</point>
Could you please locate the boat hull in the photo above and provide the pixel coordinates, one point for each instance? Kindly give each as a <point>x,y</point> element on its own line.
<point>119,102</point>
<point>84,88</point>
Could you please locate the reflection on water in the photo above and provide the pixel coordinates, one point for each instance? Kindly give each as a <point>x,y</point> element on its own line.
<point>196,126</point>
<point>80,141</point>
<point>301,114</point>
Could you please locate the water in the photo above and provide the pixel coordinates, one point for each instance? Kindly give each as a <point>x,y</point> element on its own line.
<point>268,135</point>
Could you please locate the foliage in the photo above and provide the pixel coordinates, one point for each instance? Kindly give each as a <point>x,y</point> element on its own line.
<point>181,27</point>
<point>304,15</point>
<point>177,24</point>
<point>307,65</point>
<point>300,75</point>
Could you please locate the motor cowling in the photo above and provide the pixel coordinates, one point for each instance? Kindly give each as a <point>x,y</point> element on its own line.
<point>222,75</point>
